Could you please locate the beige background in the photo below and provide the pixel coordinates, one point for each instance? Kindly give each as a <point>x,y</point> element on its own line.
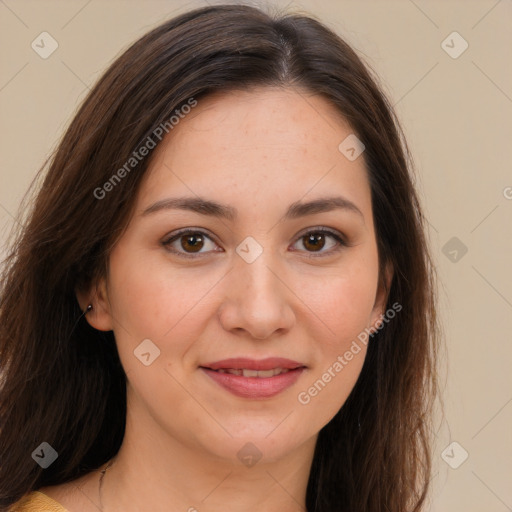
<point>457,116</point>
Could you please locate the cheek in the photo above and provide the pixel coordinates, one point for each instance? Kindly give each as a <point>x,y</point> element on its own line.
<point>329,387</point>
<point>151,300</point>
<point>344,307</point>
<point>344,302</point>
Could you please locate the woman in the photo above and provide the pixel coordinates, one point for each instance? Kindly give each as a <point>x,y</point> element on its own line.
<point>223,291</point>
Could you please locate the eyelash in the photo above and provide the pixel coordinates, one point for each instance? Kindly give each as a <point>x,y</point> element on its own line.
<point>320,230</point>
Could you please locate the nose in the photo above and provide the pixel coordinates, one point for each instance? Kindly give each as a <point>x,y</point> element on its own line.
<point>258,300</point>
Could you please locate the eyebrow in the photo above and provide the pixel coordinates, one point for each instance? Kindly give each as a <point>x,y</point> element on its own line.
<point>295,210</point>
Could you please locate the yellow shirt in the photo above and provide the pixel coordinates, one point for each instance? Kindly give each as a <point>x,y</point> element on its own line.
<point>37,501</point>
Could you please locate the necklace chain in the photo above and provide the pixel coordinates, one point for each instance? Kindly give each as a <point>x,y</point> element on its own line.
<point>100,483</point>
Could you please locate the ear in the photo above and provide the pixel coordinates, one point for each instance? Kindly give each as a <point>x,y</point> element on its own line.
<point>99,316</point>
<point>381,297</point>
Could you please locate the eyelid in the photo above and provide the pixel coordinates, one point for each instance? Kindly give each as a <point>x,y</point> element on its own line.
<point>175,235</point>
<point>338,236</point>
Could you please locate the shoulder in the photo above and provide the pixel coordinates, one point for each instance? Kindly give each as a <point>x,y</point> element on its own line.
<point>37,501</point>
<point>74,496</point>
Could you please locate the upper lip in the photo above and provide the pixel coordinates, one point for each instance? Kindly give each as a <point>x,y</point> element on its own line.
<point>240,363</point>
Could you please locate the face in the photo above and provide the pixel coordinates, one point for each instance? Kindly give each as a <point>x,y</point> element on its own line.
<point>249,268</point>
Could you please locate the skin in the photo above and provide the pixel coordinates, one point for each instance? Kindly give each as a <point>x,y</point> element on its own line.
<point>257,151</point>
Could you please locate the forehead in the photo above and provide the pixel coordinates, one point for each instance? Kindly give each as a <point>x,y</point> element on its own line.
<point>259,115</point>
<point>272,142</point>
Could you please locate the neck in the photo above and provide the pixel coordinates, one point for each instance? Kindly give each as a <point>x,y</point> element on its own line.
<point>159,473</point>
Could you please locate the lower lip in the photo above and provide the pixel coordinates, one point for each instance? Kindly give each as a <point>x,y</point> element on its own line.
<point>255,387</point>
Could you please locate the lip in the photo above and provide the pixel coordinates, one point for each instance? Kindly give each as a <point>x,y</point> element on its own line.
<point>254,387</point>
<point>239,363</point>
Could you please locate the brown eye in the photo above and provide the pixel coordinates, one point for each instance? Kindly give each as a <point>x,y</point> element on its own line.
<point>192,242</point>
<point>315,241</point>
<point>187,243</point>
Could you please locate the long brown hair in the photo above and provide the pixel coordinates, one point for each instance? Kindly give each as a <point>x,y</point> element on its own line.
<point>62,381</point>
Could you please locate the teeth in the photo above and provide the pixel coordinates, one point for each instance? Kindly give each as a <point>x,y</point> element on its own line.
<point>259,373</point>
<point>254,373</point>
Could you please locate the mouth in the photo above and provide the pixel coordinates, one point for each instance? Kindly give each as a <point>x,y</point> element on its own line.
<point>250,378</point>
<point>261,374</point>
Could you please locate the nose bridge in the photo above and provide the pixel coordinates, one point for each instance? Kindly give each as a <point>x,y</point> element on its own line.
<point>256,274</point>
<point>257,300</point>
